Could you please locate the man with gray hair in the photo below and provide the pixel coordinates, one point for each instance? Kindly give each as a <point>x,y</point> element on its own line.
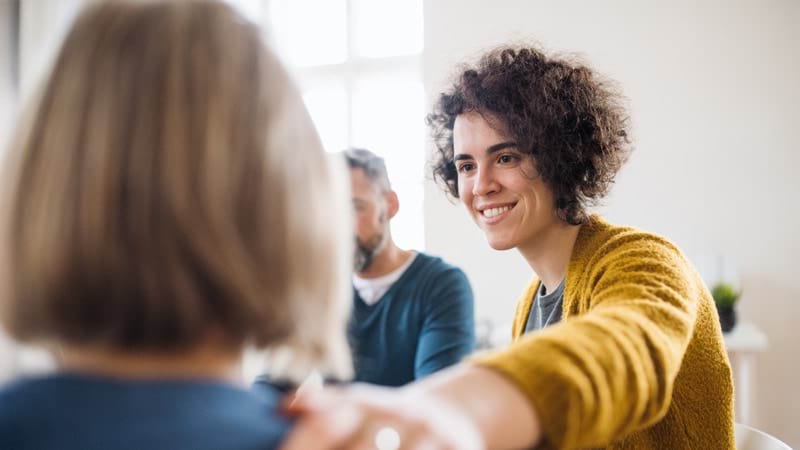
<point>412,312</point>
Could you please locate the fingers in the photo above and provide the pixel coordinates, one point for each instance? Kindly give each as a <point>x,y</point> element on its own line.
<point>363,417</point>
<point>312,400</point>
<point>324,430</point>
<point>418,442</point>
<point>341,418</point>
<point>313,384</point>
<point>375,435</point>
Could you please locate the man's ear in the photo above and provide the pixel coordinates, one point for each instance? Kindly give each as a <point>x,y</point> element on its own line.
<point>392,204</point>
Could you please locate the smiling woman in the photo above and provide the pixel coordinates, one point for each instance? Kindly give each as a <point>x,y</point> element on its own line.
<point>616,338</point>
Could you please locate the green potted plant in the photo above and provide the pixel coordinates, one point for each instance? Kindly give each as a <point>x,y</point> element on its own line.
<point>725,297</point>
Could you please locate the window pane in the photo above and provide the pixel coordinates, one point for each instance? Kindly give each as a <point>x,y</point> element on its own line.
<point>310,32</point>
<point>388,119</point>
<point>327,105</point>
<point>252,9</point>
<point>387,27</point>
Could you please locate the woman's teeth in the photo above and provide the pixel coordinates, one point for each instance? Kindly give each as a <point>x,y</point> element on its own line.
<point>492,212</point>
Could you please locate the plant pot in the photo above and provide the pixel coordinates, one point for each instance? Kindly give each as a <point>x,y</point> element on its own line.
<point>727,318</point>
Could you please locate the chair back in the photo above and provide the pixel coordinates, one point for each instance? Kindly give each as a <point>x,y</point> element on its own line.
<point>748,438</point>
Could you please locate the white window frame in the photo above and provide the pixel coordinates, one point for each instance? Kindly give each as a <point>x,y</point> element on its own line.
<point>348,72</point>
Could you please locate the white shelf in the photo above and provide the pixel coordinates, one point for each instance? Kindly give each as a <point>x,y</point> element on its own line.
<point>745,337</point>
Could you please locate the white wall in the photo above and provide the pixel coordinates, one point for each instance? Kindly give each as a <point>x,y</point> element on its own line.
<point>713,93</point>
<point>43,24</point>
<point>6,70</point>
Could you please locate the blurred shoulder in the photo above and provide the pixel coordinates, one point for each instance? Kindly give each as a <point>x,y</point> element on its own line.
<point>23,394</point>
<point>435,266</point>
<point>23,405</point>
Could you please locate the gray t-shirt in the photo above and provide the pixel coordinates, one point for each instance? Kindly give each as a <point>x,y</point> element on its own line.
<point>546,309</point>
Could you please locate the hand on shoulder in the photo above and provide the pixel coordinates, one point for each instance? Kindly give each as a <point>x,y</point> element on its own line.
<point>362,416</point>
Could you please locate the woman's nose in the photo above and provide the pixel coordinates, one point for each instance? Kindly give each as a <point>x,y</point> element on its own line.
<point>485,184</point>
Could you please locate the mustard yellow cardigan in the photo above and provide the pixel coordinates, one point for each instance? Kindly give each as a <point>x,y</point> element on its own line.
<point>638,360</point>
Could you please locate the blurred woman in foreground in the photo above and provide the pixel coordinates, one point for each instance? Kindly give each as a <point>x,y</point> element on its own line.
<point>159,207</point>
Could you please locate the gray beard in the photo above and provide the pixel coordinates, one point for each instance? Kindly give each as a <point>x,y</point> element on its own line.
<point>365,251</point>
<point>362,259</point>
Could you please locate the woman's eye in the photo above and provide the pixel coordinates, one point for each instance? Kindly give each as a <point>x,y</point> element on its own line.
<point>506,159</point>
<point>465,168</point>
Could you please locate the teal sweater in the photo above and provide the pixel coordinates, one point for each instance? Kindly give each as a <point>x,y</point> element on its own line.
<point>422,324</point>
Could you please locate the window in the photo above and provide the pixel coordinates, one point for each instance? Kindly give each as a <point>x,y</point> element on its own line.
<point>358,65</point>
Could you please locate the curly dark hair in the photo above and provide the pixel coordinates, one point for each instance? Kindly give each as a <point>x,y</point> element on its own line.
<point>558,111</point>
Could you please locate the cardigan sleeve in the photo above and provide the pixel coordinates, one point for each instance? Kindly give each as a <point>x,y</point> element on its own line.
<point>608,372</point>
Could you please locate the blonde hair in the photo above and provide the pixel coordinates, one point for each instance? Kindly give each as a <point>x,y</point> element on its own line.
<point>169,184</point>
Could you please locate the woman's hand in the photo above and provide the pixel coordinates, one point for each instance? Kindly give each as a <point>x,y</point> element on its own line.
<point>367,417</point>
<point>464,407</point>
